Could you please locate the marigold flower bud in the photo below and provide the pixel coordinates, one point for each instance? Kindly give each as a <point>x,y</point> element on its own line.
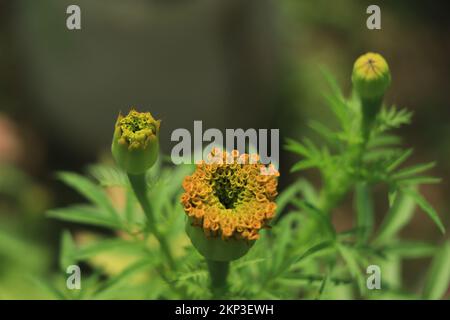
<point>135,143</point>
<point>371,76</point>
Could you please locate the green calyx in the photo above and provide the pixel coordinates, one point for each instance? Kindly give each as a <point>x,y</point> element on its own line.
<point>135,143</point>
<point>216,248</point>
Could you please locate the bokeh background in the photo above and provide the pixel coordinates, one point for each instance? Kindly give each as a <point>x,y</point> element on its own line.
<point>231,63</point>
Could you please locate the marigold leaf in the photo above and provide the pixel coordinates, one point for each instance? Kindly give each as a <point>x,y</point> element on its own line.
<point>438,277</point>
<point>410,249</point>
<point>98,247</point>
<point>118,280</point>
<point>89,190</point>
<point>68,249</point>
<point>315,249</point>
<point>108,176</point>
<point>304,164</point>
<point>427,208</point>
<point>85,214</point>
<point>397,217</point>
<point>297,147</point>
<point>413,170</point>
<point>397,162</point>
<point>352,263</point>
<point>48,287</point>
<point>416,180</point>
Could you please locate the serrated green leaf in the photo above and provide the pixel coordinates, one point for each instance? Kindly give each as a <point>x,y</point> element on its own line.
<point>410,249</point>
<point>119,279</point>
<point>174,178</point>
<point>98,247</point>
<point>397,217</point>
<point>86,215</point>
<point>417,180</point>
<point>108,176</point>
<point>397,162</point>
<point>383,140</point>
<point>332,82</point>
<point>89,190</point>
<point>392,194</point>
<point>336,100</point>
<point>351,261</point>
<point>315,249</point>
<point>191,275</point>
<point>308,191</point>
<point>288,195</point>
<point>313,149</point>
<point>67,253</point>
<point>281,245</point>
<point>381,154</point>
<point>244,263</point>
<point>325,132</point>
<point>391,118</point>
<point>299,280</point>
<point>296,147</point>
<point>304,164</point>
<point>413,170</point>
<point>427,208</point>
<point>285,197</point>
<point>325,283</point>
<point>438,276</point>
<point>317,215</point>
<point>48,287</point>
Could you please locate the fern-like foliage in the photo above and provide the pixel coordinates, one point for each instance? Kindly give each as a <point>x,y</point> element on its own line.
<point>300,256</point>
<point>355,165</point>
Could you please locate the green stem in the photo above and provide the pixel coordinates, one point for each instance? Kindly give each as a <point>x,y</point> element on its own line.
<point>218,272</point>
<point>370,108</point>
<point>139,185</point>
<point>333,195</point>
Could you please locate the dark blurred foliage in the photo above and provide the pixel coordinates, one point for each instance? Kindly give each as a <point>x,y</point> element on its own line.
<point>229,63</point>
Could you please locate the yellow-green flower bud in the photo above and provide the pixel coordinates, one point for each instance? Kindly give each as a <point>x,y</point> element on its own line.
<point>371,76</point>
<point>135,143</point>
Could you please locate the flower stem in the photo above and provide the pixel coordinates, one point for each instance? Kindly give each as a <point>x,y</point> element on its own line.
<point>218,272</point>
<point>333,195</point>
<point>139,185</point>
<point>370,109</point>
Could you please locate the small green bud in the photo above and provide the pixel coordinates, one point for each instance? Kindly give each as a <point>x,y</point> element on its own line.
<point>135,144</point>
<point>371,76</point>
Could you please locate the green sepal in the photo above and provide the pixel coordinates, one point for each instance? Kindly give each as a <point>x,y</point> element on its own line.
<point>214,248</point>
<point>135,161</point>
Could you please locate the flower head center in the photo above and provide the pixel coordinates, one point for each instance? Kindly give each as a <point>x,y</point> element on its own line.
<point>136,128</point>
<point>227,192</point>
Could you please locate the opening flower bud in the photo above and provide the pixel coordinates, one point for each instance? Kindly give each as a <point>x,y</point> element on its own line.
<point>135,143</point>
<point>227,204</point>
<point>371,76</point>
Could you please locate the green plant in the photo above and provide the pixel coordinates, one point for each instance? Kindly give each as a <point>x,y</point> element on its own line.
<point>147,254</point>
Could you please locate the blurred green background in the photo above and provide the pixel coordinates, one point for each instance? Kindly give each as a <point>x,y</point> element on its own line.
<point>230,63</point>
